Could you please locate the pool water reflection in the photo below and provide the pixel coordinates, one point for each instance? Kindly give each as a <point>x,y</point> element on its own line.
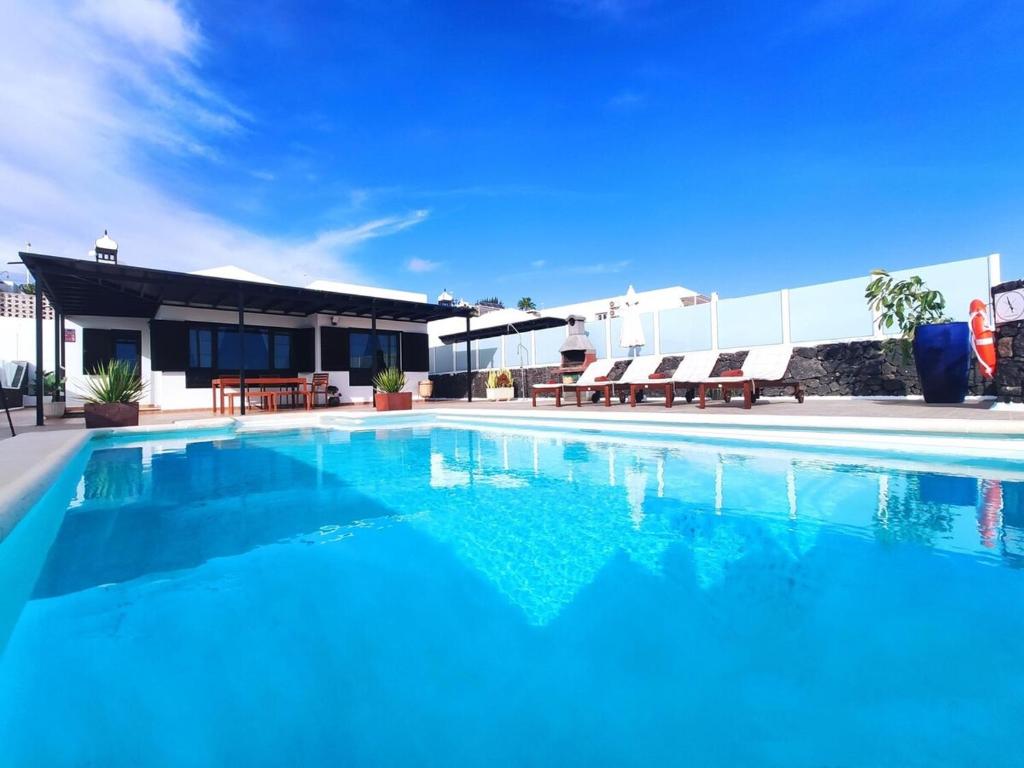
<point>439,596</point>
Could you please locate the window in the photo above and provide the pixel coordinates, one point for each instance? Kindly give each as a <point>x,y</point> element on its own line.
<point>200,348</point>
<point>361,367</point>
<point>282,350</point>
<point>101,345</point>
<point>255,349</point>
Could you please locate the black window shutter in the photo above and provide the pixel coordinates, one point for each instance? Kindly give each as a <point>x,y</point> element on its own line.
<point>96,348</point>
<point>168,341</point>
<point>333,348</point>
<point>303,350</point>
<point>415,352</point>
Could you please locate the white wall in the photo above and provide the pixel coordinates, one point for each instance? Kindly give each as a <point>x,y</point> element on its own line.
<point>805,316</point>
<point>18,340</point>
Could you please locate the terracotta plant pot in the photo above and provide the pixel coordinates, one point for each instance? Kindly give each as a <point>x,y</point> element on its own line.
<point>393,401</point>
<point>111,415</point>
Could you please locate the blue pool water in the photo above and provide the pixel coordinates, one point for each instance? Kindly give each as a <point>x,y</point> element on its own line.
<point>461,597</point>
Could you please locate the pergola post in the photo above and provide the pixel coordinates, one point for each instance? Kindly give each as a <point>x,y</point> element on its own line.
<point>58,370</point>
<point>241,352</point>
<point>39,355</point>
<point>374,349</point>
<point>469,363</point>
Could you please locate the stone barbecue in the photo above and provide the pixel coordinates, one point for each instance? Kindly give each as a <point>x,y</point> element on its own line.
<point>577,352</point>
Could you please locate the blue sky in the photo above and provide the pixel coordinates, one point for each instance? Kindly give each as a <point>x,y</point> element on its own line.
<point>554,148</point>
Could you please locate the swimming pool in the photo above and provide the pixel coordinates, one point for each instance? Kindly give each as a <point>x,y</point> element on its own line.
<point>433,594</point>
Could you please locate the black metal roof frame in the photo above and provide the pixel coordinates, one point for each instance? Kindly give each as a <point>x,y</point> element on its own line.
<point>505,329</point>
<point>79,287</point>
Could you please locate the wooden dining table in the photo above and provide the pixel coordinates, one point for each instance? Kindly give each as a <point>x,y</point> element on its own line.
<point>290,385</point>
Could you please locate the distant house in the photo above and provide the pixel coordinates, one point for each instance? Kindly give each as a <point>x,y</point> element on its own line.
<point>185,329</point>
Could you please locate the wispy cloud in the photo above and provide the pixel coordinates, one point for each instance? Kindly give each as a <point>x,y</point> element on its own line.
<point>601,267</point>
<point>627,100</point>
<point>538,263</point>
<point>417,264</point>
<point>93,92</point>
<point>609,9</point>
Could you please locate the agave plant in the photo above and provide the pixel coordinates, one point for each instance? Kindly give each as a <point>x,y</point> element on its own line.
<point>389,380</point>
<point>116,381</point>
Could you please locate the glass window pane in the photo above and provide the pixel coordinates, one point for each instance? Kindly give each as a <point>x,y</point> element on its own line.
<point>200,348</point>
<point>359,350</point>
<point>361,345</point>
<point>257,349</point>
<point>227,349</point>
<point>282,350</point>
<point>126,350</point>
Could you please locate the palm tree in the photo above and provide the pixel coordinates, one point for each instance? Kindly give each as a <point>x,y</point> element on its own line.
<point>526,303</point>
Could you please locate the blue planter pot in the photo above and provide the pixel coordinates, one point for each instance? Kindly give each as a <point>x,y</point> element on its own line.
<point>942,355</point>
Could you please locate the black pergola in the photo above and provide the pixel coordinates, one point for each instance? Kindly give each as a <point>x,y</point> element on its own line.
<point>79,287</point>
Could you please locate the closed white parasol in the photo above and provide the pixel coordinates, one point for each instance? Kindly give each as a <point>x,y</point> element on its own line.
<point>631,336</point>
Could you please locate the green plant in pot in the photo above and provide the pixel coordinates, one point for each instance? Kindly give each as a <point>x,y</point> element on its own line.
<point>389,396</point>
<point>53,394</point>
<point>112,394</point>
<point>941,348</point>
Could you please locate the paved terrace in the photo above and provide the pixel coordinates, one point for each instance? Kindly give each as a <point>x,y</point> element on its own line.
<point>24,419</point>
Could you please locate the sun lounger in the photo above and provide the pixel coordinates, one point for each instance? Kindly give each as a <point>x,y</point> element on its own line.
<point>764,366</point>
<point>597,369</point>
<point>693,368</point>
<point>594,379</point>
<point>640,369</point>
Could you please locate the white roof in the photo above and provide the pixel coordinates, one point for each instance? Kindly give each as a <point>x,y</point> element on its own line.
<point>366,290</point>
<point>231,272</point>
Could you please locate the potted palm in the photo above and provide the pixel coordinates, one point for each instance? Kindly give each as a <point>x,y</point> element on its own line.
<point>499,385</point>
<point>112,394</point>
<point>389,396</point>
<point>53,394</point>
<point>941,348</point>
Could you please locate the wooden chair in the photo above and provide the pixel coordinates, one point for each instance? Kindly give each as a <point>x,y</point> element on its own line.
<point>320,384</point>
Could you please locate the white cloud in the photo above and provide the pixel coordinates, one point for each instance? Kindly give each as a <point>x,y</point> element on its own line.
<point>416,264</point>
<point>601,267</point>
<point>538,263</point>
<point>92,92</point>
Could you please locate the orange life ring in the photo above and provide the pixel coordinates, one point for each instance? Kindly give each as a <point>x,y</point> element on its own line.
<point>983,339</point>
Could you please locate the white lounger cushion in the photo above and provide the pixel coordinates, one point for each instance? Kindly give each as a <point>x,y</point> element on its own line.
<point>640,369</point>
<point>767,363</point>
<point>694,367</point>
<point>597,368</point>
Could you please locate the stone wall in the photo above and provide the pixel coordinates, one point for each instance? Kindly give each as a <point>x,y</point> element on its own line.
<point>1010,362</point>
<point>864,368</point>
